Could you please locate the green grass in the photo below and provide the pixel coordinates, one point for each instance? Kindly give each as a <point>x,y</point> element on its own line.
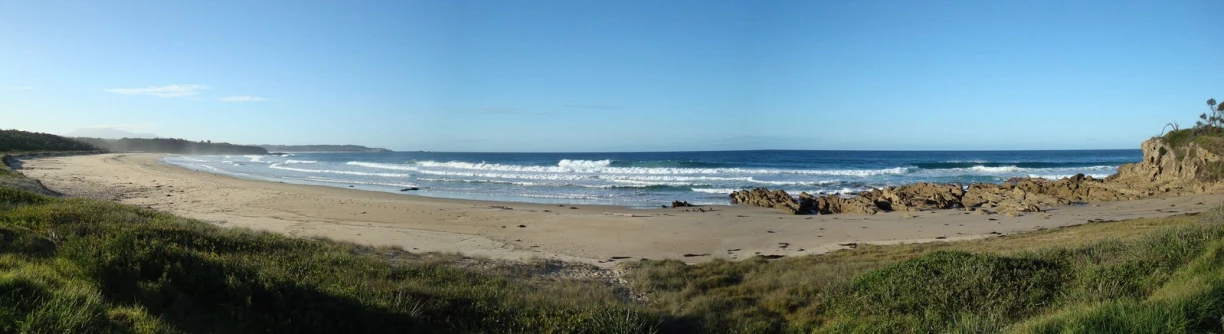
<point>1002,284</point>
<point>74,265</point>
<point>78,265</point>
<point>1180,138</point>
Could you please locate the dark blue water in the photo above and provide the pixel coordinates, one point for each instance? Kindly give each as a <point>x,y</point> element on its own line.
<point>653,178</point>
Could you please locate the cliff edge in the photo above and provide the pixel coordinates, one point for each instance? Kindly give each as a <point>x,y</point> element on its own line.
<point>1178,163</point>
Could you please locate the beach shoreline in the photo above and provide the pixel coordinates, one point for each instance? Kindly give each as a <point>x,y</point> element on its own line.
<point>591,234</point>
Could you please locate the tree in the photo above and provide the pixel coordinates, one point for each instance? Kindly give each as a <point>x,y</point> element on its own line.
<point>1215,118</point>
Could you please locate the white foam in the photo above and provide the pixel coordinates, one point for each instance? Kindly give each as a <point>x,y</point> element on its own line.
<point>300,161</point>
<point>601,167</point>
<point>671,178</point>
<point>495,175</point>
<point>382,166</point>
<point>327,180</point>
<point>554,184</point>
<point>581,164</point>
<point>1016,171</point>
<point>792,192</point>
<point>996,169</point>
<point>792,183</point>
<point>1062,176</point>
<point>842,191</point>
<point>659,183</point>
<point>328,171</point>
<point>723,191</point>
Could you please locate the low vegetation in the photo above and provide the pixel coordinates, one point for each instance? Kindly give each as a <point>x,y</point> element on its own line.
<point>25,141</point>
<point>1208,131</point>
<point>169,145</point>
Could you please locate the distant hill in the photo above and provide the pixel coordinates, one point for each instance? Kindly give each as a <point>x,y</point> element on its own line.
<point>322,148</point>
<point>107,133</point>
<point>25,141</point>
<point>168,145</point>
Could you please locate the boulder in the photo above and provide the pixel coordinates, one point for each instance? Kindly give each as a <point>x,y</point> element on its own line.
<point>777,199</point>
<point>919,196</point>
<point>1003,198</point>
<point>830,204</point>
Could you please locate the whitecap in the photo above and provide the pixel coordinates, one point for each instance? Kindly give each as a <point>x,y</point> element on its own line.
<point>328,171</point>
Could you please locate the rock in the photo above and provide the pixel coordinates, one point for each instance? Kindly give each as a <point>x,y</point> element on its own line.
<point>777,199</point>
<point>830,204</point>
<point>410,189</point>
<point>1165,170</point>
<point>679,204</point>
<point>919,196</point>
<point>1190,168</point>
<point>1015,197</point>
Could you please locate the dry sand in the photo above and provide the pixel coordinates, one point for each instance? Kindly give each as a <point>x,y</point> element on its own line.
<point>520,231</point>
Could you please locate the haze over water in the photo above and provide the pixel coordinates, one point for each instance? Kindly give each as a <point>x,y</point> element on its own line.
<point>649,179</point>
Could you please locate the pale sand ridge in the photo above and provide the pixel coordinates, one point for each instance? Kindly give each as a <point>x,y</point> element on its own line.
<point>589,234</point>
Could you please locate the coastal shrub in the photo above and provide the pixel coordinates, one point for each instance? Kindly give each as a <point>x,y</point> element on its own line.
<point>25,141</point>
<point>1211,143</point>
<point>1207,138</point>
<point>11,197</point>
<point>1180,138</point>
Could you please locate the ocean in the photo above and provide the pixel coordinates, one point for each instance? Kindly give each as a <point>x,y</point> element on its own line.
<point>650,179</point>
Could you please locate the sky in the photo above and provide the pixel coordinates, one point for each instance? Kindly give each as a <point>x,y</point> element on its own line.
<point>568,76</point>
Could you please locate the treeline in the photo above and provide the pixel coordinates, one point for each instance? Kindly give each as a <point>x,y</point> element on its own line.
<point>322,148</point>
<point>25,141</point>
<point>170,145</point>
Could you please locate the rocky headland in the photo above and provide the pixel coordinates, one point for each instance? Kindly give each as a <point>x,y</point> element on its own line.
<point>1175,164</point>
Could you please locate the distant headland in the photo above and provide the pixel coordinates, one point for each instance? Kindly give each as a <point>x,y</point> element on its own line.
<point>321,148</point>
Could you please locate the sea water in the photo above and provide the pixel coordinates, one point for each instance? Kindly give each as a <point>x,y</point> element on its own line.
<point>650,179</point>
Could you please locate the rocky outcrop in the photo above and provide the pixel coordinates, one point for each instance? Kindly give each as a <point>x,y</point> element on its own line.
<point>1187,168</point>
<point>918,197</point>
<point>1023,195</point>
<point>762,197</point>
<point>988,198</point>
<point>1166,169</point>
<point>830,204</point>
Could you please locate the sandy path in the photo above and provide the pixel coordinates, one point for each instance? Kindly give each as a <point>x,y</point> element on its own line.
<point>590,234</point>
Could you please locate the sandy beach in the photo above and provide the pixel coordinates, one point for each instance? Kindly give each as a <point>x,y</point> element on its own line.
<point>600,235</point>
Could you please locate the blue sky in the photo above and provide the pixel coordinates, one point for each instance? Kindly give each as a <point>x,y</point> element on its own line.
<point>615,75</point>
